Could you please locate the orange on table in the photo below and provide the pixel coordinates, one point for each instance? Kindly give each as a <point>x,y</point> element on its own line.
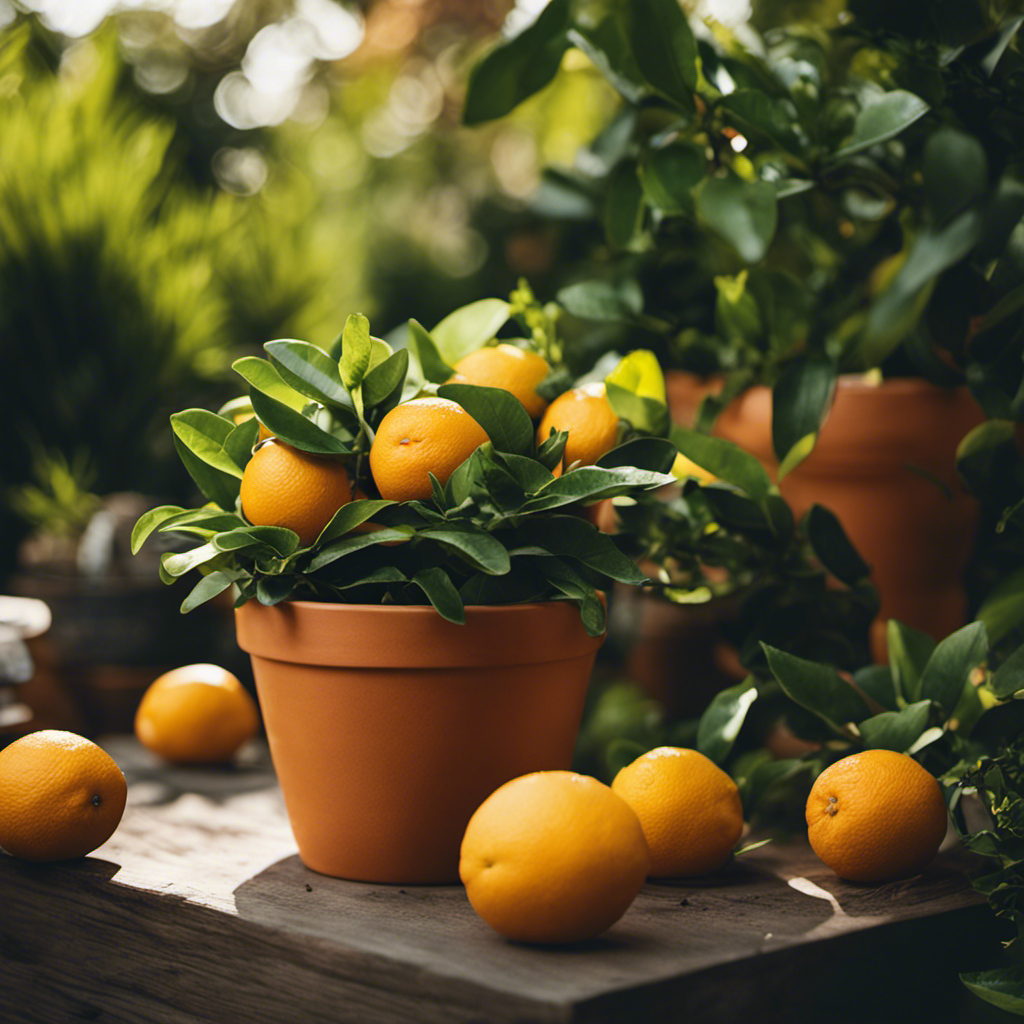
<point>553,857</point>
<point>196,714</point>
<point>424,435</point>
<point>282,486</point>
<point>876,816</point>
<point>688,807</point>
<point>61,796</point>
<point>509,367</point>
<point>592,423</point>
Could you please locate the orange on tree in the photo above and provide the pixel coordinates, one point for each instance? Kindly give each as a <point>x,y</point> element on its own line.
<point>553,857</point>
<point>592,423</point>
<point>508,367</point>
<point>196,714</point>
<point>876,816</point>
<point>425,435</point>
<point>688,807</point>
<point>282,486</point>
<point>61,796</point>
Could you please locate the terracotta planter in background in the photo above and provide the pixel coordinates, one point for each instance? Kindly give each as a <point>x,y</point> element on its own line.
<point>885,464</point>
<point>388,726</point>
<point>685,391</point>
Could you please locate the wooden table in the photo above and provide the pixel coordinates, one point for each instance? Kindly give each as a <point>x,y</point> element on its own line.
<point>198,909</point>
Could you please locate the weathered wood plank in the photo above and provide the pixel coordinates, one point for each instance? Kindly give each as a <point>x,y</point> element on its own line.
<point>198,909</point>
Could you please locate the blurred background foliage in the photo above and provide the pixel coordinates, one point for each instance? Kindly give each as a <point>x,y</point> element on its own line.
<point>179,185</point>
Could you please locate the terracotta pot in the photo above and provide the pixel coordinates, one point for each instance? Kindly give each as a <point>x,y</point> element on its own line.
<point>885,465</point>
<point>388,726</point>
<point>685,391</point>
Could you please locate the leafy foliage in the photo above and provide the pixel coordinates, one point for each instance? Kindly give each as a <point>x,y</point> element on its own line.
<point>503,528</point>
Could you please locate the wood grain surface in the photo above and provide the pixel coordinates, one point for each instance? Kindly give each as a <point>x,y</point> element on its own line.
<point>198,909</point>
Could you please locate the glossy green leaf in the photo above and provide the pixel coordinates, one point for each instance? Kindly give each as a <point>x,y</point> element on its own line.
<point>441,593</point>
<point>723,718</point>
<point>434,368</point>
<point>669,175</point>
<point>385,380</point>
<point>204,434</point>
<point>724,460</point>
<point>149,521</point>
<point>589,483</point>
<point>295,429</point>
<point>883,119</point>
<point>664,49</point>
<point>801,398</point>
<point>218,487</point>
<point>577,590</point>
<point>1002,987</point>
<point>502,416</point>
<point>649,415</point>
<point>264,377</point>
<point>640,373</point>
<point>349,516</point>
<point>478,548</point>
<point>896,730</point>
<point>955,172</point>
<point>602,300</point>
<point>743,213</point>
<point>1008,679</point>
<point>950,664</point>
<point>180,563</point>
<point>309,370</point>
<point>832,547</point>
<point>530,475</point>
<point>573,537</point>
<point>909,651</point>
<point>469,328</point>
<point>272,590</point>
<point>599,31</point>
<point>348,545</point>
<point>875,681</point>
<point>757,114</point>
<point>240,442</point>
<point>518,68</point>
<point>283,541</point>
<point>818,688</point>
<point>209,587</point>
<point>356,349</point>
<point>624,205</point>
<point>656,454</point>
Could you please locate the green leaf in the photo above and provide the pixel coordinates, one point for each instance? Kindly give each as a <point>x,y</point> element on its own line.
<point>756,113</point>
<point>725,460</point>
<point>646,414</point>
<point>818,688</point>
<point>529,474</point>
<point>264,377</point>
<point>602,300</point>
<point>883,119</point>
<point>434,368</point>
<point>624,205</point>
<point>909,651</point>
<point>356,349</point>
<point>576,589</point>
<point>656,454</point>
<point>743,213</point>
<point>589,483</point>
<point>185,561</point>
<point>469,328</point>
<point>505,421</point>
<point>204,434</point>
<point>955,173</point>
<point>724,717</point>
<point>640,374</point>
<point>310,371</point>
<point>603,40</point>
<point>573,537</point>
<point>1002,987</point>
<point>385,380</point>
<point>219,487</point>
<point>349,516</point>
<point>441,593</point>
<point>295,429</point>
<point>664,49</point>
<point>950,664</point>
<point>346,546</point>
<point>241,441</point>
<point>800,399</point>
<point>832,547</point>
<point>271,590</point>
<point>876,682</point>
<point>283,541</point>
<point>896,730</point>
<point>480,549</point>
<point>1003,610</point>
<point>1008,679</point>
<point>209,587</point>
<point>669,175</point>
<point>149,521</point>
<point>519,67</point>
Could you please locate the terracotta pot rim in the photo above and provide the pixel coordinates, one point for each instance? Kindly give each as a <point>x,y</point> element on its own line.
<point>417,609</point>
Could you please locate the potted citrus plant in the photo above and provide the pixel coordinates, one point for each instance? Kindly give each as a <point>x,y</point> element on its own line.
<point>818,218</point>
<point>419,593</point>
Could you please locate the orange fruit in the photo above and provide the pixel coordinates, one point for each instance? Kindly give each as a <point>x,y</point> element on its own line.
<point>876,816</point>
<point>196,714</point>
<point>425,435</point>
<point>282,486</point>
<point>592,423</point>
<point>552,857</point>
<point>508,367</point>
<point>688,807</point>
<point>61,796</point>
